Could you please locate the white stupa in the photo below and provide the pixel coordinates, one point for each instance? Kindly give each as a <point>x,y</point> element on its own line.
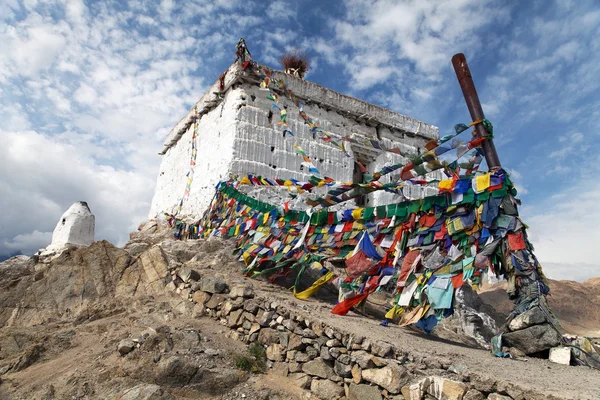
<point>74,228</point>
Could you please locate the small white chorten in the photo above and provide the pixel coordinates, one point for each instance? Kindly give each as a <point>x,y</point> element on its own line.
<point>75,227</point>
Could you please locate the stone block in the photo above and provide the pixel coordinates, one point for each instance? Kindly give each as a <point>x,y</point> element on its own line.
<point>560,355</point>
<point>268,336</point>
<point>325,354</point>
<point>215,301</point>
<point>266,318</point>
<point>301,357</point>
<point>188,274</point>
<point>362,358</point>
<point>363,392</point>
<point>343,370</point>
<point>356,374</point>
<point>445,389</point>
<point>496,396</point>
<point>391,377</point>
<point>533,316</point>
<point>276,352</point>
<point>311,352</point>
<point>235,319</point>
<point>251,306</point>
<point>294,366</point>
<point>201,297</point>
<point>325,389</point>
<point>318,367</point>
<point>381,349</point>
<point>212,284</point>
<point>295,342</point>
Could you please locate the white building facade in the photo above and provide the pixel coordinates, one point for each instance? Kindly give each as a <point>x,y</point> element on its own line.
<point>237,133</point>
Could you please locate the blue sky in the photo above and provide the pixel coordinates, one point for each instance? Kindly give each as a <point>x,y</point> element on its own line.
<point>88,91</point>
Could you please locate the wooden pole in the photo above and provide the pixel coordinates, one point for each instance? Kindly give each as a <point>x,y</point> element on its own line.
<point>463,74</point>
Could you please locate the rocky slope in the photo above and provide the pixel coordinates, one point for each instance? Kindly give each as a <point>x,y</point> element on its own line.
<point>577,305</point>
<point>163,319</point>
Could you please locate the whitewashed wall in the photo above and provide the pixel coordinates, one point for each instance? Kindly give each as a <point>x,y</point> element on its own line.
<point>237,137</point>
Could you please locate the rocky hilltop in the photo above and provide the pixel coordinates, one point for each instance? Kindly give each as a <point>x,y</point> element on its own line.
<point>166,319</point>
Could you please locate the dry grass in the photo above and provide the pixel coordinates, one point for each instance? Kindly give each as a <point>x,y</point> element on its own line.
<point>295,63</point>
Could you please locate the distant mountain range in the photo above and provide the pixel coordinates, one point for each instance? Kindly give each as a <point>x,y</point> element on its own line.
<point>576,304</point>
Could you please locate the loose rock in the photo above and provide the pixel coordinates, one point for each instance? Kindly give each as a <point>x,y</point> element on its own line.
<point>363,392</point>
<point>391,377</point>
<point>125,346</point>
<point>325,389</point>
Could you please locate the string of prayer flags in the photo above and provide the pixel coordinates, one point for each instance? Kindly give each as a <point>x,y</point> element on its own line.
<point>422,251</point>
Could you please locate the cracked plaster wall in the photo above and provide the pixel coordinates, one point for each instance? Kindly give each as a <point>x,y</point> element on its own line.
<point>240,135</point>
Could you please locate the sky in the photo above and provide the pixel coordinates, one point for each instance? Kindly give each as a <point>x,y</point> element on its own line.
<point>89,90</point>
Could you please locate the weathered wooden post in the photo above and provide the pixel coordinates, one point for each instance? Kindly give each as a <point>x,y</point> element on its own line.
<point>463,74</point>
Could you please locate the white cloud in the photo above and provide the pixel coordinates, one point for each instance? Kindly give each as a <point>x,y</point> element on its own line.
<point>29,241</point>
<point>30,49</point>
<point>564,227</point>
<point>424,34</point>
<point>42,177</point>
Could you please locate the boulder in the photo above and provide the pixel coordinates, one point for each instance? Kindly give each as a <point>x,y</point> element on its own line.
<point>212,284</point>
<point>318,367</point>
<point>145,391</point>
<point>176,371</point>
<point>125,346</point>
<point>155,264</point>
<point>325,389</point>
<point>251,306</point>
<point>533,339</point>
<point>363,392</point>
<point>533,316</point>
<point>391,377</point>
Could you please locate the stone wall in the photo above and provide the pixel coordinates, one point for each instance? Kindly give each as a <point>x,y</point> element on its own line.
<point>329,362</point>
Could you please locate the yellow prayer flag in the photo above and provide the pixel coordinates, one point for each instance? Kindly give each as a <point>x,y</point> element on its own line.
<point>482,182</point>
<point>314,288</point>
<point>446,184</point>
<point>357,213</point>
